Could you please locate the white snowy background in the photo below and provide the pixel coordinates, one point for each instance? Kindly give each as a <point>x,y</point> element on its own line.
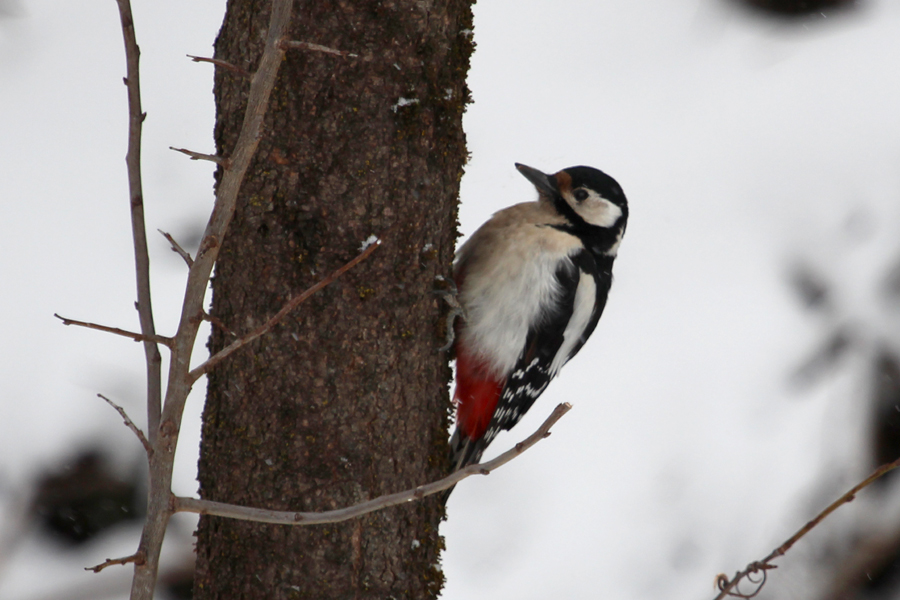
<point>745,146</point>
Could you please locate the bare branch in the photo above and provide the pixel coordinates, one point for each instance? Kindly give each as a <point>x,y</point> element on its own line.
<point>292,45</point>
<point>140,434</point>
<point>176,248</point>
<point>287,308</point>
<point>220,509</point>
<point>221,63</point>
<point>729,587</point>
<point>136,558</point>
<point>136,118</point>
<point>138,337</point>
<point>198,156</point>
<point>231,176</point>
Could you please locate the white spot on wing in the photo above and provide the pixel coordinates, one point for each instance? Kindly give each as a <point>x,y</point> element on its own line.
<point>585,296</point>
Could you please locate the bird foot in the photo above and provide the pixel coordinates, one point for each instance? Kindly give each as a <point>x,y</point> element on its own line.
<point>449,295</point>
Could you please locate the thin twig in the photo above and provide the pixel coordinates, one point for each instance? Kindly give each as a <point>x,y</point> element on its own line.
<point>218,323</point>
<point>221,63</point>
<point>221,509</point>
<point>219,160</point>
<point>136,558</point>
<point>728,587</point>
<point>140,434</point>
<point>176,248</point>
<point>136,118</point>
<point>138,337</point>
<point>287,308</point>
<point>292,45</point>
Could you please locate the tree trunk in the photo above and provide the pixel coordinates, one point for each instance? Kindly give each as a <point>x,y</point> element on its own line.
<point>346,400</point>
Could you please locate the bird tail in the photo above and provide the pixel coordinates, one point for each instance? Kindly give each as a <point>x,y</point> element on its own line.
<point>464,451</point>
<point>476,396</point>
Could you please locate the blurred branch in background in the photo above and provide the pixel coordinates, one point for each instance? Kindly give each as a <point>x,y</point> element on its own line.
<point>730,587</point>
<point>858,314</point>
<point>798,8</point>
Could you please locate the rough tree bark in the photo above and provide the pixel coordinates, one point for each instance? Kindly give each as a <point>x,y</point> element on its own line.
<point>347,399</point>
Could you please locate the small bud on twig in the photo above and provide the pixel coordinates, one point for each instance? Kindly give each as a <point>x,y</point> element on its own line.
<point>221,63</point>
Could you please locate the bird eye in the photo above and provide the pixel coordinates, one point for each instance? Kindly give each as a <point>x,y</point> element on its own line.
<point>581,195</point>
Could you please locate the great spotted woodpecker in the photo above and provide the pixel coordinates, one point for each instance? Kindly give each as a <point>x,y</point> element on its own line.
<point>532,282</point>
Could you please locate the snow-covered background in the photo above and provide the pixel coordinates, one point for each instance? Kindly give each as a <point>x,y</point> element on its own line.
<point>746,147</point>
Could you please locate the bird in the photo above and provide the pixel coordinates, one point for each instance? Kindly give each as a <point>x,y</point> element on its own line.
<point>532,283</point>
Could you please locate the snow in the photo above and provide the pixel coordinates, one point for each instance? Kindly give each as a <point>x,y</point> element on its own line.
<point>404,102</point>
<point>744,145</point>
<point>372,239</point>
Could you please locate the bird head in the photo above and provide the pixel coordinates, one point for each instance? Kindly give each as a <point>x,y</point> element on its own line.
<point>583,195</point>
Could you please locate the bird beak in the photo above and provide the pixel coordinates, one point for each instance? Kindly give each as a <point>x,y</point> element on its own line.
<point>545,184</point>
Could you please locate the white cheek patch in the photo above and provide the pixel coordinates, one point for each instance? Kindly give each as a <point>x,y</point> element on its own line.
<point>596,209</point>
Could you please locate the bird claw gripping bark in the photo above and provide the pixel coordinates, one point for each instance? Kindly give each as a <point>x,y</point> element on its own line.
<point>449,295</point>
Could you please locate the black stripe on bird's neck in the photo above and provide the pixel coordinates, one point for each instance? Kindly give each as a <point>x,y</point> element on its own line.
<point>597,240</point>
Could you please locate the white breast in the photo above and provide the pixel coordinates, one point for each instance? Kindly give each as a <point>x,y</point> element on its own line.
<point>509,268</point>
